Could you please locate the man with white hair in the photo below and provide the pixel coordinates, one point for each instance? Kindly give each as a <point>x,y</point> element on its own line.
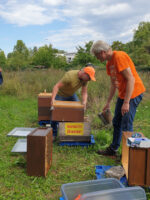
<point>125,78</point>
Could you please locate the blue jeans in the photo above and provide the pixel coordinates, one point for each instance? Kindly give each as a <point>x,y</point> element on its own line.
<point>125,122</point>
<point>1,78</point>
<point>55,124</point>
<point>74,97</point>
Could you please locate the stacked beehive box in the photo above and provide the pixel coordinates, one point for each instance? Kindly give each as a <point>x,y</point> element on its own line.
<point>136,162</point>
<point>44,100</point>
<point>67,111</point>
<point>70,114</point>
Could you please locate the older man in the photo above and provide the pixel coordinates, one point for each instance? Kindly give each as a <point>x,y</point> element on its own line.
<point>125,78</point>
<point>65,89</point>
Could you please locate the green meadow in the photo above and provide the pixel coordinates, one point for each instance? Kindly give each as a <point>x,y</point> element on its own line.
<point>18,108</point>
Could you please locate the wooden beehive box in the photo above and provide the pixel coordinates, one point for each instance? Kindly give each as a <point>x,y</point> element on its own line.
<point>39,152</point>
<point>44,100</point>
<point>67,111</point>
<point>75,131</point>
<point>136,162</point>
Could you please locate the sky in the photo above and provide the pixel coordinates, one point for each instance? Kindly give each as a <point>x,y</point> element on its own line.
<point>67,24</point>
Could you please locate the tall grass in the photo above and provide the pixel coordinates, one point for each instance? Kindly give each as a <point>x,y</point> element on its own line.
<point>28,84</point>
<point>24,84</point>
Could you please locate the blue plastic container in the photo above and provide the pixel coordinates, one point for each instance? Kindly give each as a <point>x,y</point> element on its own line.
<point>71,190</point>
<point>44,122</point>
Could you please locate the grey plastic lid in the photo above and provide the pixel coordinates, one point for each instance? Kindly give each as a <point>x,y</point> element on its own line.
<point>129,193</point>
<point>20,146</point>
<point>71,190</point>
<point>20,132</point>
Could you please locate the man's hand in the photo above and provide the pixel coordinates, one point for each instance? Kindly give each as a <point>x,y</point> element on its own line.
<point>106,107</point>
<point>125,108</point>
<point>84,104</point>
<point>52,103</point>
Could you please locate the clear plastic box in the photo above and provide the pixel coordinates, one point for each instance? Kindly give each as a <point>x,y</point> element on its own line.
<point>71,190</point>
<point>129,193</point>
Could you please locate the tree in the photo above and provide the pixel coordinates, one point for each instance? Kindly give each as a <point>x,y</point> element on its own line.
<point>19,58</point>
<point>117,45</point>
<point>60,62</point>
<point>21,48</point>
<point>44,56</point>
<point>141,41</point>
<point>2,59</point>
<point>84,56</point>
<point>142,34</point>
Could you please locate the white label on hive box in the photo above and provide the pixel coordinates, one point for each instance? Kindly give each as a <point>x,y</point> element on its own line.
<point>74,128</point>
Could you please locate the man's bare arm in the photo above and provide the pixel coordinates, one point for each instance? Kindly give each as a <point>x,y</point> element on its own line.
<point>55,91</point>
<point>127,74</point>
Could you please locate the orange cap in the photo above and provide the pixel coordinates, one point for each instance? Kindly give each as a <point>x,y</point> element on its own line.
<point>91,72</point>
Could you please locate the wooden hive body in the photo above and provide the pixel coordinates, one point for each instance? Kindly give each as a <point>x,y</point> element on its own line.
<point>75,131</point>
<point>136,162</point>
<point>44,100</point>
<point>66,111</point>
<point>39,152</point>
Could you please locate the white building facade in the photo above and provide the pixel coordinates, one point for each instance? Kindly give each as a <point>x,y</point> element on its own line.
<point>69,56</point>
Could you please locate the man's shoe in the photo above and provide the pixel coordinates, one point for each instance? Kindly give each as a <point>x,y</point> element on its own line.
<point>107,152</point>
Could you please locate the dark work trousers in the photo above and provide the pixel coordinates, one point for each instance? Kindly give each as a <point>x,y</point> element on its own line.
<point>125,122</point>
<point>1,78</point>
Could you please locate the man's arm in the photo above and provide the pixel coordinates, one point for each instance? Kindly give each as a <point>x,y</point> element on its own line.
<point>111,94</point>
<point>55,91</point>
<point>127,74</point>
<point>84,96</point>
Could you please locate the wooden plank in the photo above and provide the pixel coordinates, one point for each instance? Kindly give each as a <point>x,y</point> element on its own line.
<point>68,104</point>
<point>39,152</point>
<point>125,152</point>
<point>73,138</point>
<point>44,94</point>
<point>137,166</point>
<point>148,168</point>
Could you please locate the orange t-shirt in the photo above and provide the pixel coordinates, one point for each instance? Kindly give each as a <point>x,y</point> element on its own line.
<point>119,62</point>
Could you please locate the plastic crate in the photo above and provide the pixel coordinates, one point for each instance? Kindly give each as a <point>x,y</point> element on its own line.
<point>83,144</point>
<point>130,193</point>
<point>44,122</point>
<point>71,190</point>
<point>100,173</point>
